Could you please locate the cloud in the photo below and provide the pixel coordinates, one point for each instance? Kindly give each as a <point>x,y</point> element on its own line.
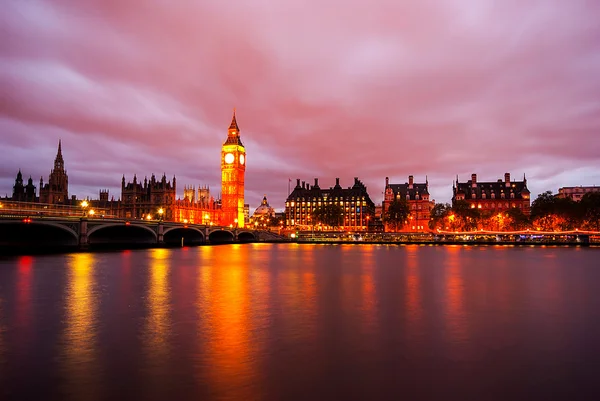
<point>322,89</point>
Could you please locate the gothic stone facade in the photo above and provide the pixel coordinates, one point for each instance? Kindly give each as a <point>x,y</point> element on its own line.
<point>493,196</point>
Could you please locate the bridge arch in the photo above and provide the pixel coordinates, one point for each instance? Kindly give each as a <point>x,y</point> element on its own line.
<point>246,236</point>
<point>38,233</point>
<point>120,234</point>
<point>221,237</point>
<point>190,235</point>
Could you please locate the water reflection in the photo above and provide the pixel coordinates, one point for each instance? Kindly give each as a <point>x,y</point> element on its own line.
<point>414,305</point>
<point>23,306</point>
<point>456,318</point>
<point>80,348</point>
<point>368,305</point>
<point>158,319</point>
<point>225,305</point>
<point>2,329</point>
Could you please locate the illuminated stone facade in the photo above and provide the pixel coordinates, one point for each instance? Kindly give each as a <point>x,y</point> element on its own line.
<point>576,193</point>
<point>417,198</point>
<point>357,206</point>
<point>56,191</point>
<point>493,196</point>
<point>233,167</point>
<point>146,200</point>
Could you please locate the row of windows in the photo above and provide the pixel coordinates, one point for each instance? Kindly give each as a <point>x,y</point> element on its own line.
<point>417,197</point>
<point>319,203</point>
<point>493,195</point>
<point>493,205</point>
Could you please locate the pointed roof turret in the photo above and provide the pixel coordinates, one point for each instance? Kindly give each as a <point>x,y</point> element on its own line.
<point>233,124</point>
<point>59,163</point>
<point>233,136</point>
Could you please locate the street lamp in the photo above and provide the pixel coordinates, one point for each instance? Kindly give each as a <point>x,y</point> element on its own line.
<point>92,212</point>
<point>84,206</point>
<point>236,222</point>
<point>160,213</point>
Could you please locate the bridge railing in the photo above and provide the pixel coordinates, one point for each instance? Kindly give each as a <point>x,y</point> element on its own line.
<point>18,209</point>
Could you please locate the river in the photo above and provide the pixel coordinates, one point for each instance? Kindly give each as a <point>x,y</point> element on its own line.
<point>302,322</point>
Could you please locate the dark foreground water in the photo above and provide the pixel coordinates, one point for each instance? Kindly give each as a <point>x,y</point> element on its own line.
<point>302,322</point>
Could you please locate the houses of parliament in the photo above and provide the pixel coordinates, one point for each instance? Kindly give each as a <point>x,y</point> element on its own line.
<point>155,198</point>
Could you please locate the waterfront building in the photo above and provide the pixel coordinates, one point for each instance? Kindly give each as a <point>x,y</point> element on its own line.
<point>262,214</point>
<point>493,196</point>
<point>156,199</point>
<point>21,192</point>
<point>576,193</point>
<point>56,191</point>
<point>416,196</point>
<point>138,200</point>
<point>356,204</point>
<point>233,167</point>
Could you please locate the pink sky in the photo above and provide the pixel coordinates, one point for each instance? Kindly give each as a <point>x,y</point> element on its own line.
<point>322,89</point>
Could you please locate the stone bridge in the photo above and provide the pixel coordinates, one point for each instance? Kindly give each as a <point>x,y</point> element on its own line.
<point>84,232</point>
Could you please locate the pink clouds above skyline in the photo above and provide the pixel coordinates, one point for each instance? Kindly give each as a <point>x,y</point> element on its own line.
<point>322,89</point>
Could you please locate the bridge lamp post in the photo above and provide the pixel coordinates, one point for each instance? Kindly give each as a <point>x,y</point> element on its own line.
<point>236,222</point>
<point>149,217</point>
<point>206,217</point>
<point>160,214</point>
<point>92,212</point>
<point>84,205</point>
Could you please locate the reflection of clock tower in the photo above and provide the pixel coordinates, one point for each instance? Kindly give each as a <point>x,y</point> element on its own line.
<point>233,166</point>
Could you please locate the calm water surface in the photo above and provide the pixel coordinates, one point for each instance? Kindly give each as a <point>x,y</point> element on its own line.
<point>302,322</point>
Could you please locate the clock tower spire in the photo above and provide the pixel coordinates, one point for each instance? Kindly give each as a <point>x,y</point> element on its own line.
<point>233,167</point>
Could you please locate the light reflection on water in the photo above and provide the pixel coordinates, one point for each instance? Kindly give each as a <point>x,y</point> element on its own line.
<point>264,321</point>
<point>157,327</point>
<point>80,348</point>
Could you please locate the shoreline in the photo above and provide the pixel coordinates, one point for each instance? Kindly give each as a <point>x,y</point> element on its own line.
<point>55,250</point>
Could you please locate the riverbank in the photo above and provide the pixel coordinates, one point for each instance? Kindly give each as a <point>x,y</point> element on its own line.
<point>49,250</point>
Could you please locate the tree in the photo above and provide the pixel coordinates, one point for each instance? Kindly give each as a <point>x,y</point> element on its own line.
<point>439,212</point>
<point>329,215</point>
<point>516,220</point>
<point>466,216</point>
<point>551,213</point>
<point>275,221</point>
<point>590,210</point>
<point>396,213</point>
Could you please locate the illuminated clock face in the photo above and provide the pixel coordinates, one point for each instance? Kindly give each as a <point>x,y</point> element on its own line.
<point>242,159</point>
<point>229,158</point>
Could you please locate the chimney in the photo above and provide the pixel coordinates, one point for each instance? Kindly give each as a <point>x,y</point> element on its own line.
<point>316,183</point>
<point>337,181</point>
<point>507,179</point>
<point>387,181</point>
<point>303,185</point>
<point>410,181</point>
<point>473,180</point>
<point>356,180</point>
<point>297,182</point>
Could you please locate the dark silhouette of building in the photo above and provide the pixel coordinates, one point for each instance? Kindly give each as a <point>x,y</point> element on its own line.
<point>56,191</point>
<point>138,200</point>
<point>492,196</point>
<point>358,208</point>
<point>417,198</point>
<point>23,193</point>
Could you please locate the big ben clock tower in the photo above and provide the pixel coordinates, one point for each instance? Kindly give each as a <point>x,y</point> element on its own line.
<point>233,166</point>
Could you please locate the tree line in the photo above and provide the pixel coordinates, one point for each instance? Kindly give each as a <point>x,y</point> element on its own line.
<point>548,213</point>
